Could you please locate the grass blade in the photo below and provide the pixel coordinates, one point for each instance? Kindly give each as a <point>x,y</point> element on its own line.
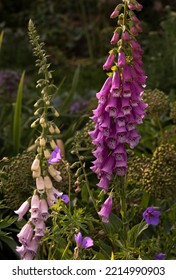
<point>17,116</point>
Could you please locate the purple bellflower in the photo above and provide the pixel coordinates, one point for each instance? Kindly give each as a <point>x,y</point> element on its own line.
<point>160,256</point>
<point>81,242</point>
<point>151,216</point>
<point>120,108</point>
<point>55,156</point>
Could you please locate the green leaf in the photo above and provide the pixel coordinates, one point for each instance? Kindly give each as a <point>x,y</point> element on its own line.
<point>17,116</point>
<point>135,232</point>
<point>1,39</point>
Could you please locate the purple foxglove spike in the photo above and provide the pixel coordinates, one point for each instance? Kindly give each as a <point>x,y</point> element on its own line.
<point>106,210</point>
<point>111,143</point>
<point>65,198</point>
<point>35,203</point>
<point>108,165</point>
<point>109,62</point>
<point>121,59</point>
<point>115,38</point>
<point>55,156</point>
<point>87,242</point>
<point>116,80</point>
<point>44,209</point>
<point>125,36</point>
<point>151,216</point>
<point>104,183</point>
<point>25,234</point>
<point>22,210</point>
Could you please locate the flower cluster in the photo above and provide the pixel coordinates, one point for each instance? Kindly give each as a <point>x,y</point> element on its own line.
<point>44,196</point>
<point>120,107</point>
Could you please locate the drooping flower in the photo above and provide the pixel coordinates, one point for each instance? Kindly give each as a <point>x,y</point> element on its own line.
<point>160,256</point>
<point>81,242</point>
<point>151,216</point>
<point>22,210</point>
<point>55,156</point>
<point>106,209</point>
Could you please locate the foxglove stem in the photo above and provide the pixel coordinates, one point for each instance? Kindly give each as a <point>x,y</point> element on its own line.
<point>123,205</point>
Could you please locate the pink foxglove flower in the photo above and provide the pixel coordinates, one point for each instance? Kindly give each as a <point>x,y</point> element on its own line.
<point>106,209</point>
<point>25,235</point>
<point>120,108</point>
<point>22,210</point>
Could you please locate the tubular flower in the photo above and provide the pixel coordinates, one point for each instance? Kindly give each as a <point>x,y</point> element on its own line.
<point>106,209</point>
<point>120,108</point>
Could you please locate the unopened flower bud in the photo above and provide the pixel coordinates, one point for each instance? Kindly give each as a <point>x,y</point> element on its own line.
<point>34,124</point>
<point>40,184</point>
<point>47,154</point>
<point>48,182</point>
<point>53,144</point>
<point>42,142</point>
<point>36,173</point>
<point>51,129</point>
<point>35,165</point>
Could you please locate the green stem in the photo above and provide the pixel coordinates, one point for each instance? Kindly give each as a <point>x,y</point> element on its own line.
<point>123,204</point>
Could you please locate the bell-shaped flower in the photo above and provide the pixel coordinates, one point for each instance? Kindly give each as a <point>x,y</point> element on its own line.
<point>25,234</point>
<point>121,59</point>
<point>22,210</point>
<point>44,209</point>
<point>106,210</point>
<point>109,62</point>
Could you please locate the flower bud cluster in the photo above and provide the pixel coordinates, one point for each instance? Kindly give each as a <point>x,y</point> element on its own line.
<point>120,105</point>
<point>157,101</point>
<point>155,175</point>
<point>173,111</point>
